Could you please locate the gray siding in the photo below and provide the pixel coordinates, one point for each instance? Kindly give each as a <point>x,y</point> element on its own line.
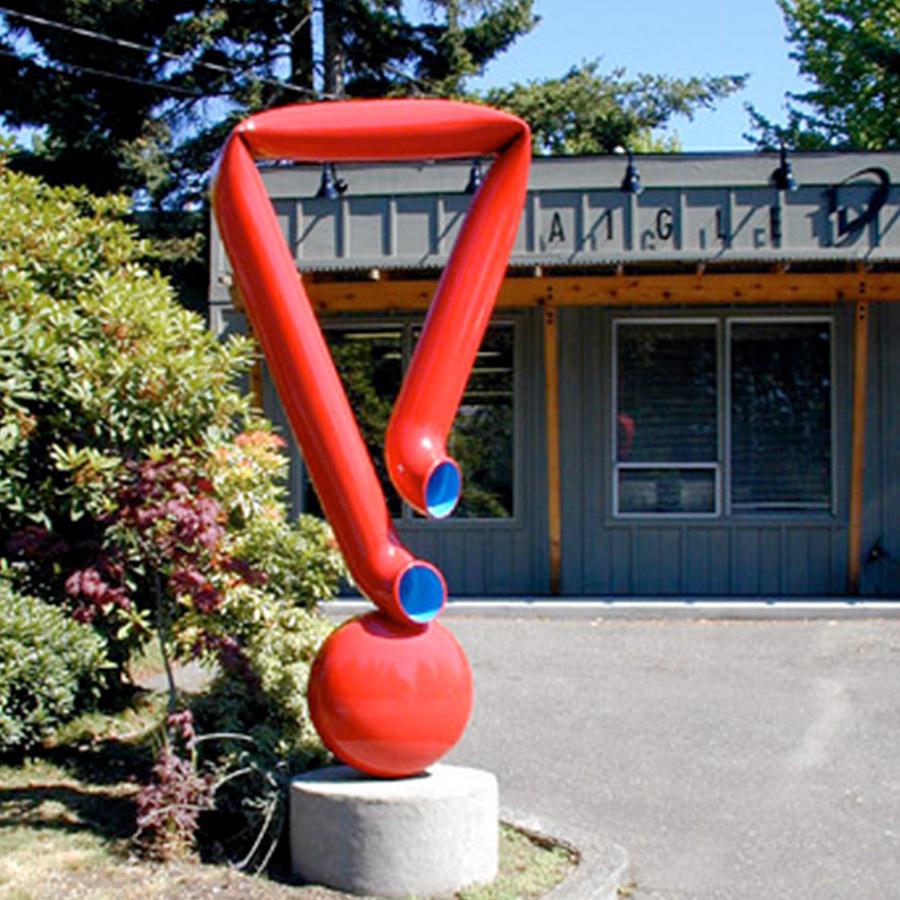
<point>881,514</point>
<point>740,555</point>
<point>605,556</point>
<point>721,210</point>
<point>711,208</point>
<point>499,557</point>
<point>477,557</point>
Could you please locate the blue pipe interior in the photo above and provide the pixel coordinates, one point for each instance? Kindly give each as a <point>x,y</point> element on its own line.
<point>421,593</point>
<point>442,491</point>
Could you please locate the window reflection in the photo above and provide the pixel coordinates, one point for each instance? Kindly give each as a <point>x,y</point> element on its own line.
<point>781,415</point>
<point>371,361</point>
<point>667,392</point>
<point>481,440</point>
<point>666,418</point>
<point>482,436</point>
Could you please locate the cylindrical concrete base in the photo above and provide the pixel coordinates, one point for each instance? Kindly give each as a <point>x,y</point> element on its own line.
<point>430,834</point>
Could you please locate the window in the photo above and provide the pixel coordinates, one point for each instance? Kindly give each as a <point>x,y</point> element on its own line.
<point>667,428</point>
<point>482,437</point>
<point>371,361</point>
<point>774,396</point>
<point>780,415</point>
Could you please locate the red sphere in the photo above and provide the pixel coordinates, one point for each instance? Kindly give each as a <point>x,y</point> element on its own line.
<point>387,699</point>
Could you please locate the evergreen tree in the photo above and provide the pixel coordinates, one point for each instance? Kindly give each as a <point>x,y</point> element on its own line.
<point>850,51</point>
<point>586,111</point>
<point>139,94</point>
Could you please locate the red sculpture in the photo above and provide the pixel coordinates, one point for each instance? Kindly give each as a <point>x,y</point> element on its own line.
<point>409,591</point>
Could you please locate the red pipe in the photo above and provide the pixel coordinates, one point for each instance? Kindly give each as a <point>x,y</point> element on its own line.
<point>415,446</point>
<point>409,590</point>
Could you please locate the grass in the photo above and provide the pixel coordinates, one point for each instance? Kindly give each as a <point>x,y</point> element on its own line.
<point>67,817</point>
<point>529,868</point>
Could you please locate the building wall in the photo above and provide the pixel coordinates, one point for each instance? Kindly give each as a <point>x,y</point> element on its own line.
<point>477,557</point>
<point>881,514</point>
<point>716,210</point>
<point>736,555</point>
<point>501,557</point>
<point>739,554</point>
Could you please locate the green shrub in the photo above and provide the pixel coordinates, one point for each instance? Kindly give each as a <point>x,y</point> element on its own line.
<point>98,365</point>
<point>50,668</point>
<point>139,490</point>
<point>105,380</point>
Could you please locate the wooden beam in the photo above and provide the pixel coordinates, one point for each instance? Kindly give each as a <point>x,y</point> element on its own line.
<point>256,371</point>
<point>554,481</point>
<point>781,287</point>
<point>858,445</point>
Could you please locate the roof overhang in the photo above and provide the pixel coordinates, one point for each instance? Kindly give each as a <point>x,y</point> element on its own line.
<point>698,216</point>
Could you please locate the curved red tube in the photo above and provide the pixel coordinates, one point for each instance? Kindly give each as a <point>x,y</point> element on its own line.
<point>409,590</point>
<point>415,447</point>
<point>310,388</point>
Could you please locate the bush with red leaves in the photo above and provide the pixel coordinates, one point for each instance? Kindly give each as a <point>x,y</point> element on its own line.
<point>169,807</point>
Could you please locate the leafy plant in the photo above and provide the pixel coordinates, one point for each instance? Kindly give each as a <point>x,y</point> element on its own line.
<point>141,493</point>
<point>849,51</point>
<point>98,366</point>
<point>127,454</point>
<point>586,111</point>
<point>169,807</point>
<point>50,668</point>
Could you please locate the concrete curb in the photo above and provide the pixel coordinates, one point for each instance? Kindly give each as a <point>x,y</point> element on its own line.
<point>603,867</point>
<point>646,609</point>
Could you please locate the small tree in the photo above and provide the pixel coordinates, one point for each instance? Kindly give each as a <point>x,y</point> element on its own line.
<point>586,111</point>
<point>117,407</point>
<point>850,51</point>
<point>141,494</point>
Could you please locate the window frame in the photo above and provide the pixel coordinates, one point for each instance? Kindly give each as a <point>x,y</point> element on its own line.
<point>407,324</point>
<point>722,466</point>
<point>715,466</point>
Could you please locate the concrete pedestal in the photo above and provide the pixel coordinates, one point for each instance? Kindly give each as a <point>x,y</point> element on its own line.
<point>429,834</point>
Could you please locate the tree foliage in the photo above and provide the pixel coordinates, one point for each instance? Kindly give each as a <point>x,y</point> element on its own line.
<point>586,111</point>
<point>133,472</point>
<point>50,667</point>
<point>139,94</point>
<point>850,51</point>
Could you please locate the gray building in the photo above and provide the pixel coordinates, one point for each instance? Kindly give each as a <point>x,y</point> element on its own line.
<point>689,390</point>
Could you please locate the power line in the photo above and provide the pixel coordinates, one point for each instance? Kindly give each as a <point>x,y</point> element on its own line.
<point>59,66</point>
<point>132,45</point>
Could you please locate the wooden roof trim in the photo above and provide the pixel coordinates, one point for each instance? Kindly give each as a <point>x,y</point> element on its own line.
<point>780,287</point>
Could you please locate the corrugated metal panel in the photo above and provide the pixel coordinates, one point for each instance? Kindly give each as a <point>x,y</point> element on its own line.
<point>713,209</point>
<point>572,446</point>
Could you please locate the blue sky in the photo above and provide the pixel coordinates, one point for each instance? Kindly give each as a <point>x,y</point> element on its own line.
<point>671,37</point>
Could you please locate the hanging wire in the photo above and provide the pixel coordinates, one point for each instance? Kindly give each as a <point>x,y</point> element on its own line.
<point>58,66</point>
<point>425,86</point>
<point>144,48</point>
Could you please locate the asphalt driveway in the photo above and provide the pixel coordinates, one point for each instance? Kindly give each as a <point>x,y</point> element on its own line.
<point>731,759</point>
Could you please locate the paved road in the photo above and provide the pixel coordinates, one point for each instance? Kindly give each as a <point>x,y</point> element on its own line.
<point>754,759</point>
